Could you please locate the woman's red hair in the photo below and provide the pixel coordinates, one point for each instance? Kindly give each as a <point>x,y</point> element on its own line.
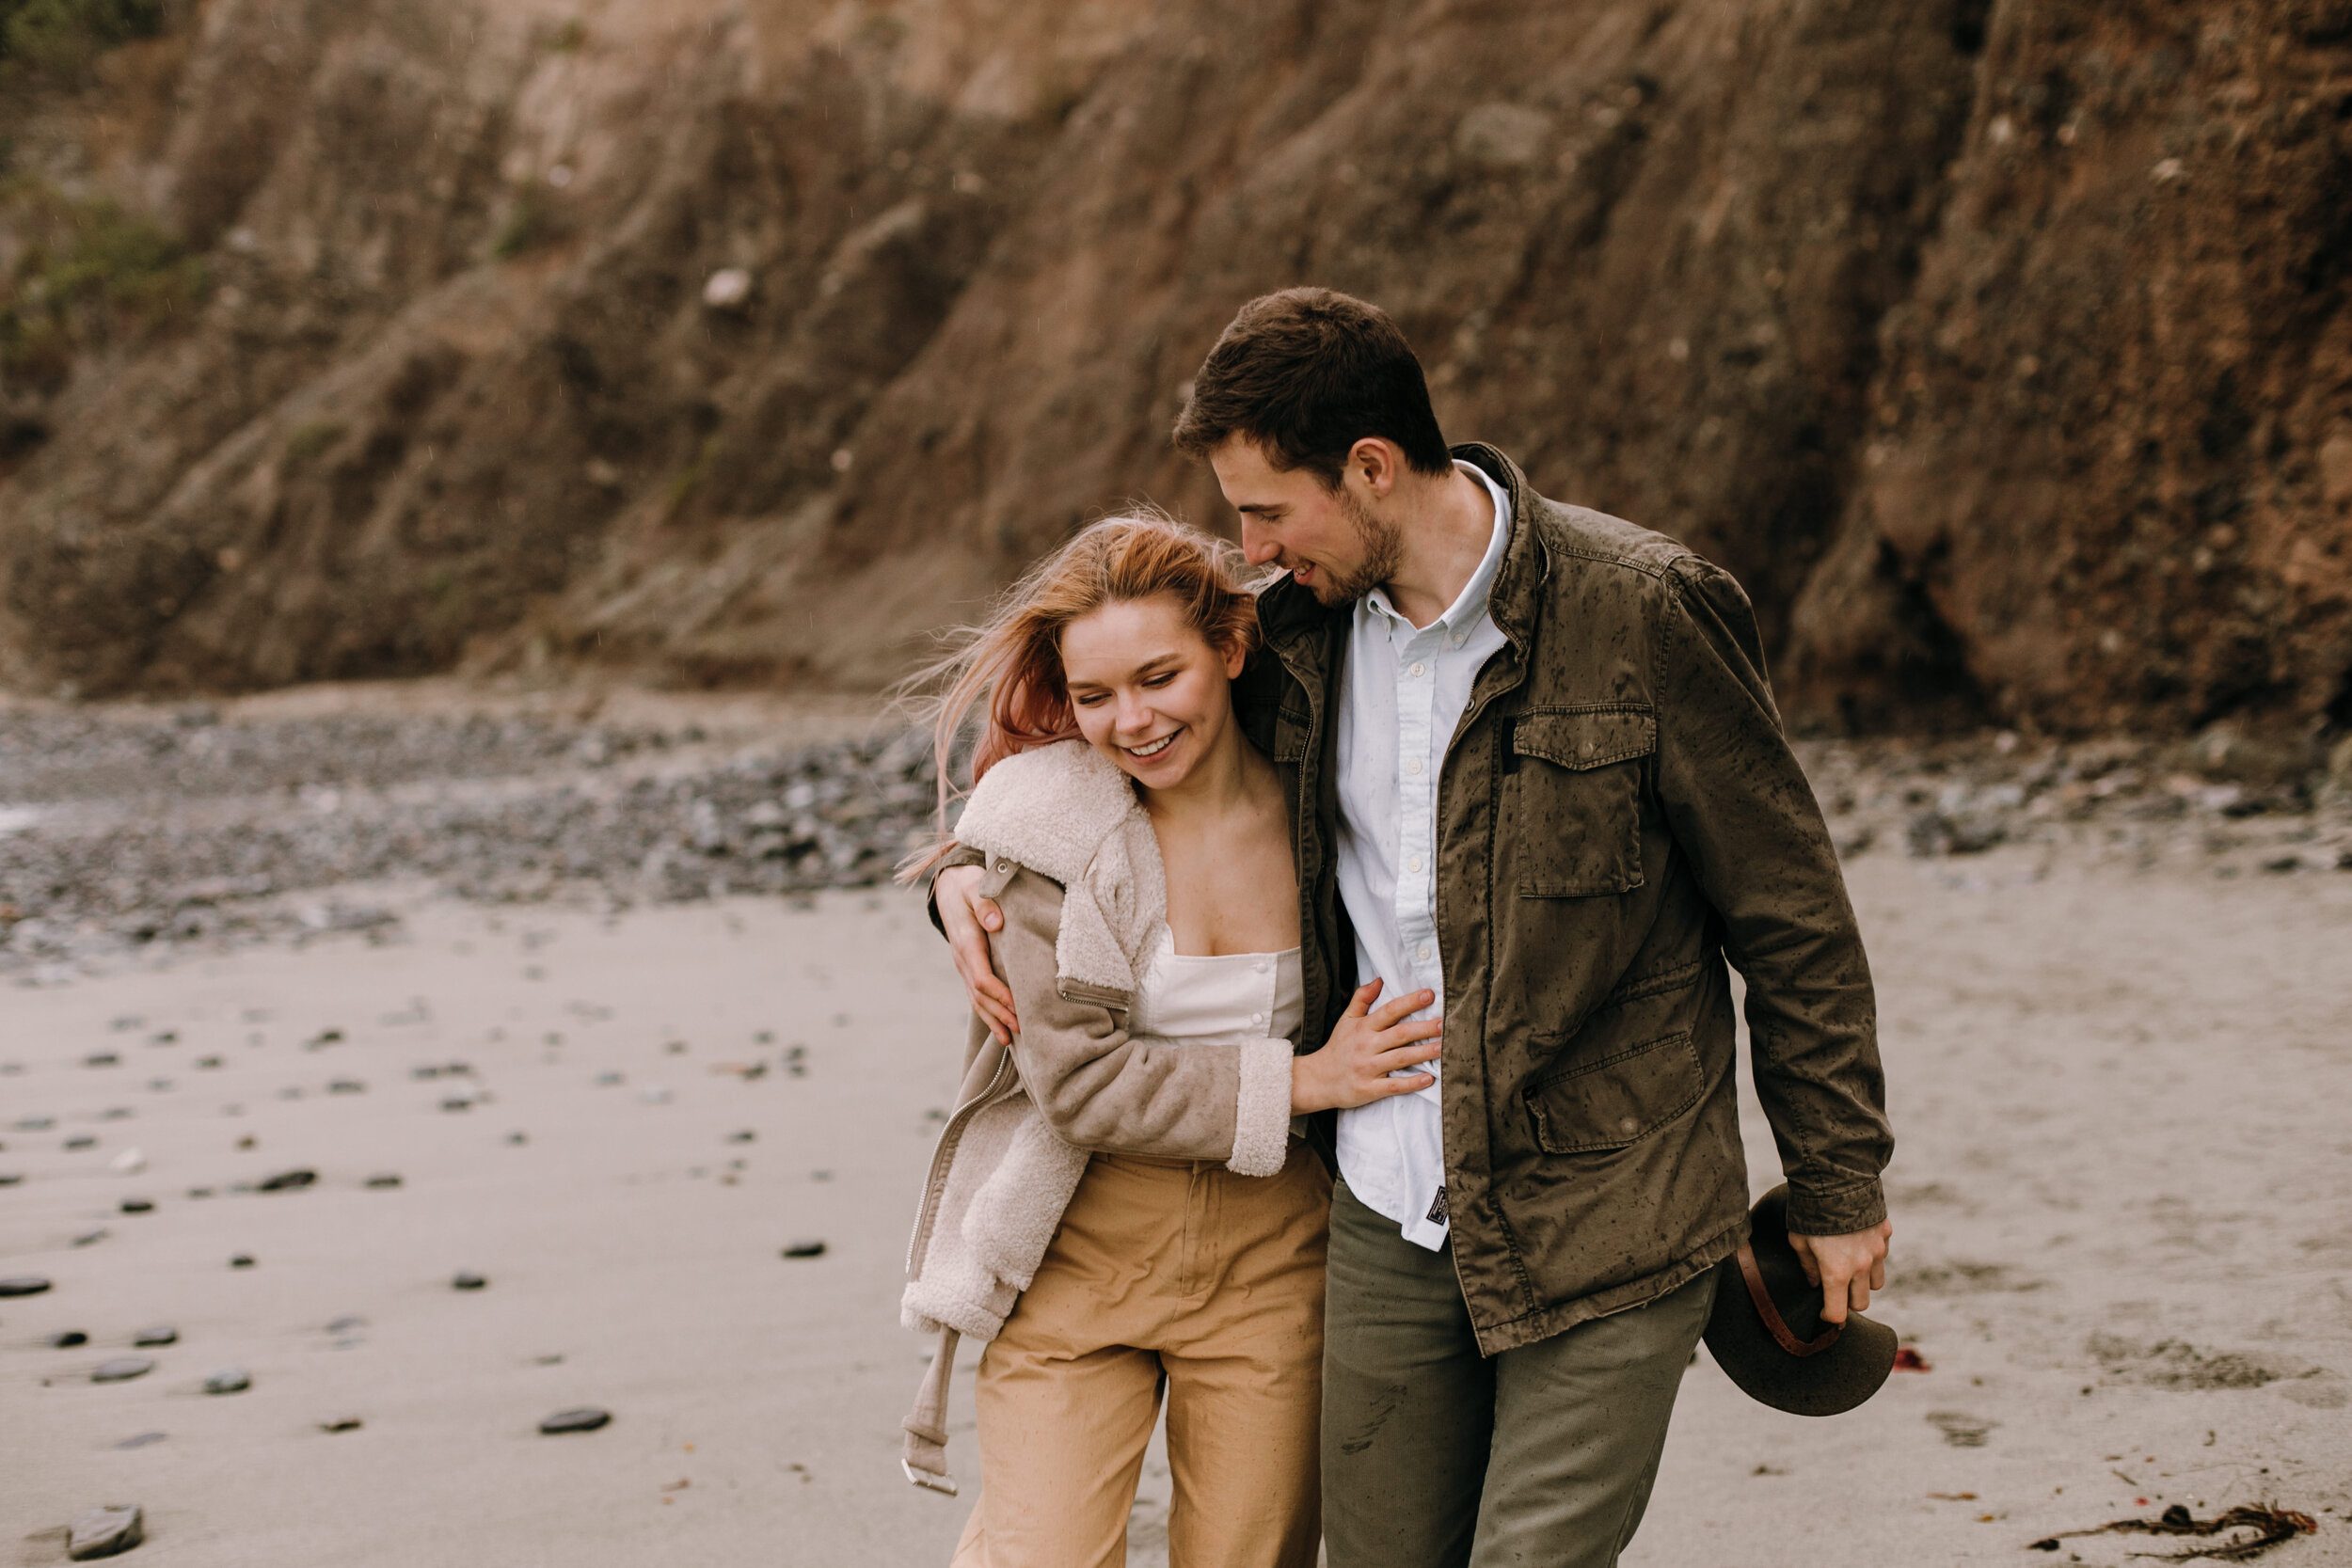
<point>1010,665</point>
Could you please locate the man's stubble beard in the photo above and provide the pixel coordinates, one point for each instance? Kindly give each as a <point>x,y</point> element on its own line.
<point>1384,552</point>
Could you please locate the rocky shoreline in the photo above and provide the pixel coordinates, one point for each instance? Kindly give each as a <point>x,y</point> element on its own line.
<point>131,831</point>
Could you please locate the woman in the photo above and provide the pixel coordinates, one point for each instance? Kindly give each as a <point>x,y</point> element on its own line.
<point>1117,1204</point>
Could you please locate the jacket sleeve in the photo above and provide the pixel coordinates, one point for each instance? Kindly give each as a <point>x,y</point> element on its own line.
<point>1742,810</point>
<point>963,854</point>
<point>1101,1087</point>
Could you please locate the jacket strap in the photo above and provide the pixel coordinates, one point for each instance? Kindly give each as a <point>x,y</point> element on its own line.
<point>1774,1322</point>
<point>924,1455</point>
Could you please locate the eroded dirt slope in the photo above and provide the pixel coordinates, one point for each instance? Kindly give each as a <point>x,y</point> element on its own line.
<point>2000,348</point>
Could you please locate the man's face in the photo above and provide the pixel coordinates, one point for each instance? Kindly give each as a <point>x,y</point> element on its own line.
<point>1329,540</point>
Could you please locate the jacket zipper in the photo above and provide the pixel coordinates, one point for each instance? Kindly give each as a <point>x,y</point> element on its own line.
<point>944,1151</point>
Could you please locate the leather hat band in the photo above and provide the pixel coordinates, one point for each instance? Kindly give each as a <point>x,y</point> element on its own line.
<point>1774,1322</point>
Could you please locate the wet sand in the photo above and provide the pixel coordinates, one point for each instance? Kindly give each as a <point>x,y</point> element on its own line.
<point>2123,1168</point>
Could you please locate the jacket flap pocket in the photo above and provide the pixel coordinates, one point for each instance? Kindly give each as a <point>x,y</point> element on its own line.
<point>1586,736</point>
<point>1619,1100</point>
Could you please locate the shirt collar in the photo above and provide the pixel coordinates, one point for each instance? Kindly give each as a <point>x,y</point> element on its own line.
<point>1470,604</point>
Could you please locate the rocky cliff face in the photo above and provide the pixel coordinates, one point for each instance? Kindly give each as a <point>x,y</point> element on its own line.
<point>2000,347</point>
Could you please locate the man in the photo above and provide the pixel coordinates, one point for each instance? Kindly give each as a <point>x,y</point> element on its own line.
<point>1534,767</point>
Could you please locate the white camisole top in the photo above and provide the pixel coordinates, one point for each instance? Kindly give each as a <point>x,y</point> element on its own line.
<point>1228,996</point>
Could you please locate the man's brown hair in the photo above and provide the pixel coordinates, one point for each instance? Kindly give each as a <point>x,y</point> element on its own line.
<point>1307,374</point>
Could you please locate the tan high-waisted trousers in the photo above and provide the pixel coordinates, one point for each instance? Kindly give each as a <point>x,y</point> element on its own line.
<point>1162,1269</point>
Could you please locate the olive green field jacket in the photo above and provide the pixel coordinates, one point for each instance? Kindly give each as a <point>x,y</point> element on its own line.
<point>1618,815</point>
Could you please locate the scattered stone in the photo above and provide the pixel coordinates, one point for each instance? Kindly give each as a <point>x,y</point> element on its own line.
<point>1961,1430</point>
<point>241,1260</point>
<point>122,1368</point>
<point>809,1248</point>
<point>10,1178</point>
<point>67,1339</point>
<point>586,1418</point>
<point>457,1102</point>
<point>343,1423</point>
<point>324,1036</point>
<point>247,1141</point>
<point>347,1085</point>
<point>208,1063</point>
<point>727,289</point>
<point>141,1440</point>
<point>160,1085</point>
<point>199,1192</point>
<point>101,1058</point>
<point>128,1163</point>
<point>607,1080</point>
<point>517,1138</point>
<point>347,1324</point>
<point>80,1141</point>
<point>167,1037</point>
<point>91,1238</point>
<point>743,1137</point>
<point>287,1181</point>
<point>384,1179</point>
<point>158,1334</point>
<point>424,1072</point>
<point>35,1124</point>
<point>137,1205</point>
<point>229,1380</point>
<point>104,1533</point>
<point>468,1281</point>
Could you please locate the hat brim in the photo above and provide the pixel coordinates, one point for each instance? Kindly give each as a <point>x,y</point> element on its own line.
<point>1828,1382</point>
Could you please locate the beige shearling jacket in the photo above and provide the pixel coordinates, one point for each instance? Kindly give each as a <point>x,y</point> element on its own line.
<point>1071,861</point>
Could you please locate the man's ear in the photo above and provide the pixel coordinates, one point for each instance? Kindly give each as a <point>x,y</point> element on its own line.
<point>1377,462</point>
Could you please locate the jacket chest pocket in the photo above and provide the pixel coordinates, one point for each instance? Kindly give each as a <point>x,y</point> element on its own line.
<point>1578,776</point>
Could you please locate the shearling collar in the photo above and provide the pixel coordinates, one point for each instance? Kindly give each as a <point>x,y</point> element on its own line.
<point>1050,809</point>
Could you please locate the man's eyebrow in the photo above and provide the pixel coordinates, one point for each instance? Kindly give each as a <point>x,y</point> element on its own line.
<point>1259,506</point>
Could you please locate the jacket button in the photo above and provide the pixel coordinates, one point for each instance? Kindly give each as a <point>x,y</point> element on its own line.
<point>1627,1125</point>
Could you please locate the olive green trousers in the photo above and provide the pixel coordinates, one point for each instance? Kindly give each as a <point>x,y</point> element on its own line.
<point>1437,1457</point>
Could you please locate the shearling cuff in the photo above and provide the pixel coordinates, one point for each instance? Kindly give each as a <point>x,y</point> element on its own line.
<point>928,1307</point>
<point>1261,1120</point>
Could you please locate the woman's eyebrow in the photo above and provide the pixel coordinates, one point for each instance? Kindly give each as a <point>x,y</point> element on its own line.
<point>1147,667</point>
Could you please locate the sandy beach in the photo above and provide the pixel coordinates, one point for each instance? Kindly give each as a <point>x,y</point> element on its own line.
<point>2123,1197</point>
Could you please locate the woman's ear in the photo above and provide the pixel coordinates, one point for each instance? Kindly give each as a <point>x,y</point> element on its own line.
<point>1233,656</point>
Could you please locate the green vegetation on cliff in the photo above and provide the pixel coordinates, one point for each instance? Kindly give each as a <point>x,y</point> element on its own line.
<point>61,36</point>
<point>83,272</point>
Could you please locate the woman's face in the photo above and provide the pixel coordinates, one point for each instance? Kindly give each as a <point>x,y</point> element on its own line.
<point>1148,690</point>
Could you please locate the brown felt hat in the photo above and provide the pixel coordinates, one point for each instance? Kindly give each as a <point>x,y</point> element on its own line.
<point>1768,1333</point>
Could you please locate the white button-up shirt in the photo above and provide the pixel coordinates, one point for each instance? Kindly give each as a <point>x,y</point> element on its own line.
<point>1404,692</point>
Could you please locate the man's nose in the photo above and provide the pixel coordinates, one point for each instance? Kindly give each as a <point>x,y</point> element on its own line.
<point>1256,547</point>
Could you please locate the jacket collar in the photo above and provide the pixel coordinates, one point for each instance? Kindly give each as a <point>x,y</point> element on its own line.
<point>1050,809</point>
